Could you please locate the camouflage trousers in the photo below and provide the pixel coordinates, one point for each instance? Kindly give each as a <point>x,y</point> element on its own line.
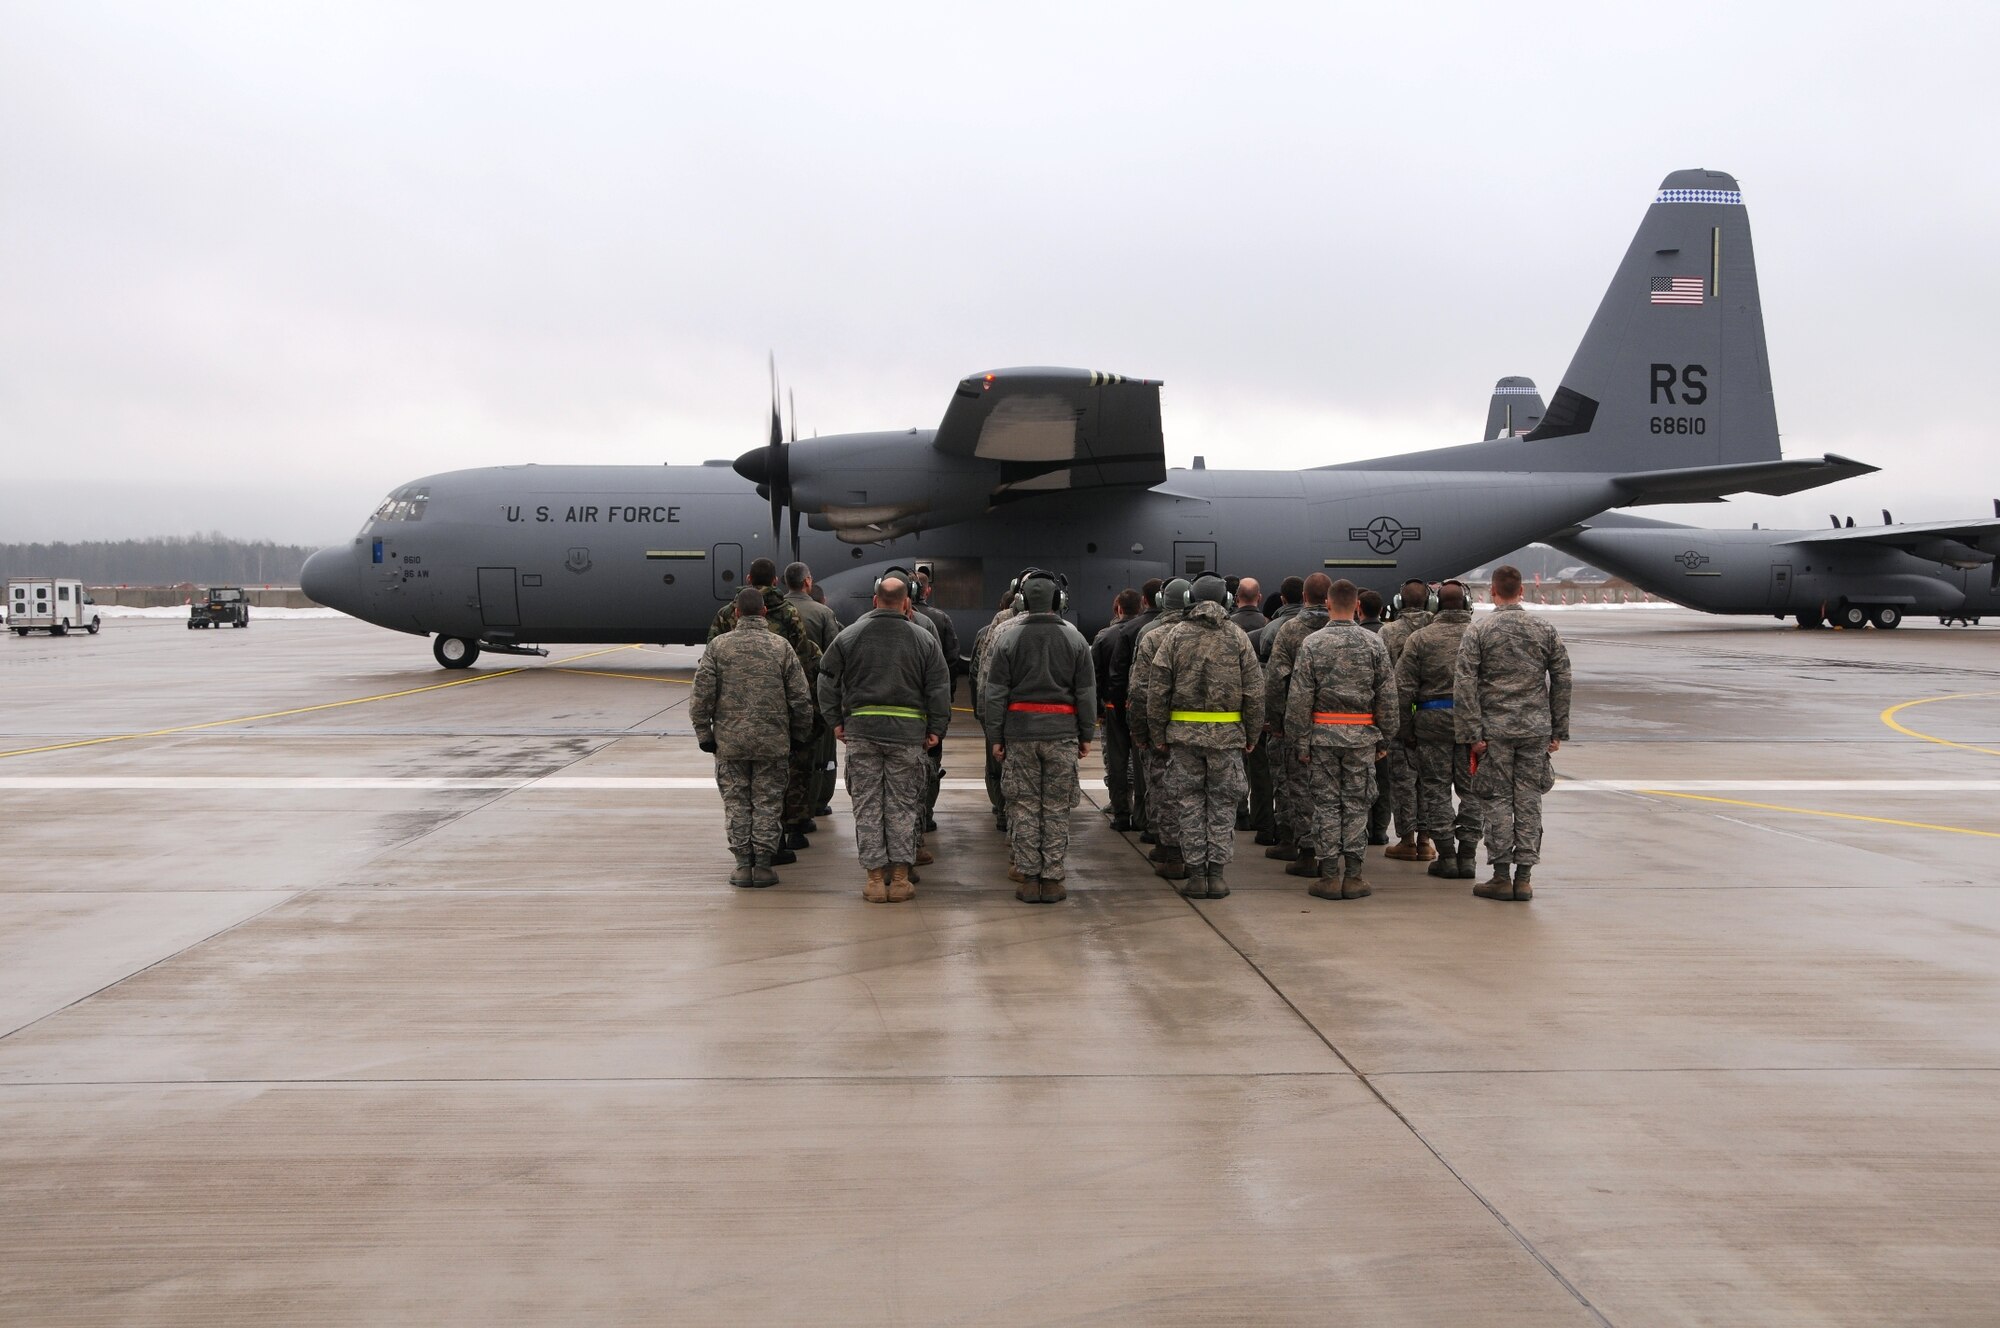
<point>1160,806</point>
<point>1401,770</point>
<point>1341,788</point>
<point>1291,792</point>
<point>799,782</point>
<point>1513,776</point>
<point>1202,787</point>
<point>1142,783</point>
<point>887,781</point>
<point>824,749</point>
<point>1118,760</point>
<point>1442,769</point>
<point>753,802</point>
<point>1040,783</point>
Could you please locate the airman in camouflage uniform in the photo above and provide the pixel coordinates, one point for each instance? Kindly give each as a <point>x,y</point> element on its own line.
<point>1339,707</point>
<point>1292,797</point>
<point>751,708</point>
<point>1040,715</point>
<point>1401,765</point>
<point>1510,704</point>
<point>1149,737</point>
<point>1424,681</point>
<point>786,622</point>
<point>982,645</point>
<point>822,625</point>
<point>1205,706</point>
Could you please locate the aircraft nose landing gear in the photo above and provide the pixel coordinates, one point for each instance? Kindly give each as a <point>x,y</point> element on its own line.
<point>454,652</point>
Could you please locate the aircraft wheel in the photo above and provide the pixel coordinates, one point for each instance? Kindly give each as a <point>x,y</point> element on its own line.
<point>454,652</point>
<point>1852,616</point>
<point>1809,621</point>
<point>1887,617</point>
<point>94,625</point>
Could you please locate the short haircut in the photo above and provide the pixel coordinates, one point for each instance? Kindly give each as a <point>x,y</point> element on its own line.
<point>796,576</point>
<point>763,572</point>
<point>1317,586</point>
<point>1150,592</point>
<point>1451,595</point>
<point>1506,581</point>
<point>1423,590</point>
<point>1127,601</point>
<point>893,592</point>
<point>1371,603</point>
<point>1293,588</point>
<point>749,602</point>
<point>1248,592</point>
<point>1340,595</point>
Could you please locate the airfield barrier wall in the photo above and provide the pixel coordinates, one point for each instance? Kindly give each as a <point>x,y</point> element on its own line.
<point>155,597</point>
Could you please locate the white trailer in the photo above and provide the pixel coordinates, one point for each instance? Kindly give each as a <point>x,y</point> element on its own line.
<point>52,604</point>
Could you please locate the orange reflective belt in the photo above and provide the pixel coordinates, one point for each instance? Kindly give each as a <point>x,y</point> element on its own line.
<point>1341,717</point>
<point>1042,708</point>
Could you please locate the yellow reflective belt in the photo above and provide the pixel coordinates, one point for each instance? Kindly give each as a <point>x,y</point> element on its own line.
<point>890,712</point>
<point>1206,717</point>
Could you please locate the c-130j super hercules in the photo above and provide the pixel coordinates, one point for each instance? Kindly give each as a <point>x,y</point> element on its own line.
<point>1668,399</point>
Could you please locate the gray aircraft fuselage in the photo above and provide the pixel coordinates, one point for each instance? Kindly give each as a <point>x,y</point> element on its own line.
<point>563,554</point>
<point>1785,573</point>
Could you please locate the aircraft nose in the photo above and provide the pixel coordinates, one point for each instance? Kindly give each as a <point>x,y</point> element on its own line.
<point>329,578</point>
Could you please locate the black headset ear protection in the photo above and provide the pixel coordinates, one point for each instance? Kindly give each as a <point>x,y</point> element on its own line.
<point>1430,600</point>
<point>896,572</point>
<point>1061,584</point>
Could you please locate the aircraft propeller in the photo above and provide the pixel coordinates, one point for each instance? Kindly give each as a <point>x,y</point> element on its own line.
<point>769,468</point>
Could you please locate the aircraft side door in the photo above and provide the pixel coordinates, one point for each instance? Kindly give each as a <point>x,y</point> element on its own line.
<point>1193,558</point>
<point>499,602</point>
<point>725,563</point>
<point>1781,585</point>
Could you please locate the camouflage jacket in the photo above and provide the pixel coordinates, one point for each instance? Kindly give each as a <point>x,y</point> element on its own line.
<point>1205,666</point>
<point>1145,650</point>
<point>1511,680</point>
<point>1278,671</point>
<point>783,619</point>
<point>1425,671</point>
<point>982,657</point>
<point>1396,635</point>
<point>750,695</point>
<point>1342,669</point>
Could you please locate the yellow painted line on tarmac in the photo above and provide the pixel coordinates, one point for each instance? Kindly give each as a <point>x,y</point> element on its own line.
<point>1832,816</point>
<point>281,714</point>
<point>1889,717</point>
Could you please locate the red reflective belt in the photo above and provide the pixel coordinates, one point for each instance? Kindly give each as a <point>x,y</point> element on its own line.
<point>1042,708</point>
<point>1341,717</point>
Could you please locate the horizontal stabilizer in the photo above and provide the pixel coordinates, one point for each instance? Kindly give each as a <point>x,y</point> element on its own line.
<point>1710,484</point>
<point>1055,429</point>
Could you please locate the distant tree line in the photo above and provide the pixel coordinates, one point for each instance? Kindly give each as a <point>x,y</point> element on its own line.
<point>163,560</point>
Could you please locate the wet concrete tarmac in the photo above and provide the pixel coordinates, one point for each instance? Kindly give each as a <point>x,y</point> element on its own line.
<point>334,987</point>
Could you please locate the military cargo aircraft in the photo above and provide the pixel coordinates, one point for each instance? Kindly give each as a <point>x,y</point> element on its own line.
<point>1848,575</point>
<point>1668,399</point>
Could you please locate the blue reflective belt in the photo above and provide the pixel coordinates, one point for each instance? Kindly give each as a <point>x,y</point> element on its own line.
<point>1442,703</point>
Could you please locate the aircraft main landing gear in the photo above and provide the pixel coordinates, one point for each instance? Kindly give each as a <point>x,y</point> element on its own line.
<point>1886,617</point>
<point>454,652</point>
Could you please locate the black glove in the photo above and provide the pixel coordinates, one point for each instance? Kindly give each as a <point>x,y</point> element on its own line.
<point>707,744</point>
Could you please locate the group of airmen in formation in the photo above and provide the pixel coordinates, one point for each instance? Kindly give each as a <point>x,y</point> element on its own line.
<point>1315,728</point>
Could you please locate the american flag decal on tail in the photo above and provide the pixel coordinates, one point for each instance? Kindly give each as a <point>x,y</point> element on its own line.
<point>1676,290</point>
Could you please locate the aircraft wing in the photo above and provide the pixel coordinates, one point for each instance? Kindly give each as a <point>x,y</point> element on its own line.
<point>1053,429</point>
<point>1982,535</point>
<point>1711,484</point>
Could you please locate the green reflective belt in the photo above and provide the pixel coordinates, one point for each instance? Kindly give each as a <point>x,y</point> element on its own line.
<point>888,712</point>
<point>1205,717</point>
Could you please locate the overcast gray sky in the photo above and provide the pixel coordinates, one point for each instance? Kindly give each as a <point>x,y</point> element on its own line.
<point>263,262</point>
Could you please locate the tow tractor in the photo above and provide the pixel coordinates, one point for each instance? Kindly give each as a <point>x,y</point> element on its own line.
<point>218,605</point>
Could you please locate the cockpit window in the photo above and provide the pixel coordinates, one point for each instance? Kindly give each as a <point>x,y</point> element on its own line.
<point>406,504</point>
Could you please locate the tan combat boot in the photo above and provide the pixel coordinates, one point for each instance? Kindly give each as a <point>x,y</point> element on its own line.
<point>1500,887</point>
<point>924,858</point>
<point>1306,864</point>
<point>900,885</point>
<point>1427,849</point>
<point>1405,849</point>
<point>1053,891</point>
<point>1522,889</point>
<point>1351,884</point>
<point>876,891</point>
<point>1326,884</point>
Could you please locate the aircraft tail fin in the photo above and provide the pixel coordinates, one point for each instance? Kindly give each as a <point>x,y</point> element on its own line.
<point>1516,408</point>
<point>1673,370</point>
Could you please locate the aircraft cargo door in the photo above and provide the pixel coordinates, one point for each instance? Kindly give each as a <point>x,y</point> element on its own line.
<point>1781,585</point>
<point>725,564</point>
<point>498,604</point>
